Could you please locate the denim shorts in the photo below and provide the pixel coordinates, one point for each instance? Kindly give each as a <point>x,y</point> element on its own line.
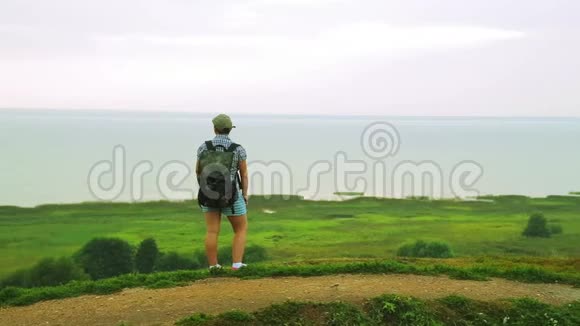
<point>239,208</point>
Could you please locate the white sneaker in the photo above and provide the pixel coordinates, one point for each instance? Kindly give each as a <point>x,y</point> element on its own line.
<point>237,268</point>
<point>215,267</point>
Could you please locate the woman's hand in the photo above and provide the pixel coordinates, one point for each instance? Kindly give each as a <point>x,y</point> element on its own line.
<point>244,179</point>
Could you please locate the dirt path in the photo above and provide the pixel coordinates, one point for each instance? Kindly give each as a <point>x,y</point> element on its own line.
<point>165,306</point>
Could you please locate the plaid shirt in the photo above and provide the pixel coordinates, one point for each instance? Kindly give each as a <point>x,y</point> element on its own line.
<point>225,141</point>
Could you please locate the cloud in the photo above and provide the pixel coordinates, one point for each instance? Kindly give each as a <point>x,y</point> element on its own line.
<point>212,61</point>
<point>259,54</point>
<point>361,39</point>
<point>376,37</point>
<point>301,3</point>
<point>302,53</point>
<point>243,14</point>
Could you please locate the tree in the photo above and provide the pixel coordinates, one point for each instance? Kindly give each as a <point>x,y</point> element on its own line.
<point>537,226</point>
<point>106,257</point>
<point>146,256</point>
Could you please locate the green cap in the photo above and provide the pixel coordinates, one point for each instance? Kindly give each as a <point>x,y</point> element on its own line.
<point>222,121</point>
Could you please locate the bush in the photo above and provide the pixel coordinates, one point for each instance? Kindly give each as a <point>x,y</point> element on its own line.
<point>255,254</point>
<point>195,320</point>
<point>146,256</point>
<point>106,257</point>
<point>422,248</point>
<point>537,226</point>
<point>236,316</point>
<point>556,229</point>
<point>391,309</point>
<point>47,272</point>
<point>173,261</point>
<point>9,293</point>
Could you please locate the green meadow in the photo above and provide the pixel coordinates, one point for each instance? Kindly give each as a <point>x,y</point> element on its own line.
<point>296,230</point>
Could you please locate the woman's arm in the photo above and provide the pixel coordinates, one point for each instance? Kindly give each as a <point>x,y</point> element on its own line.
<point>197,169</point>
<point>198,172</point>
<point>244,176</point>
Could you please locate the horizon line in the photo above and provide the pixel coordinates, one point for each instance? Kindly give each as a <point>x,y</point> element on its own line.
<point>289,115</point>
<point>276,196</point>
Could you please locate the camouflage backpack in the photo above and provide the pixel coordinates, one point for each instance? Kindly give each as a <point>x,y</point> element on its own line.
<point>217,187</point>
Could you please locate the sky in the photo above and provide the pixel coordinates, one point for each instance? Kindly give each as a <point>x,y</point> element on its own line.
<point>339,57</point>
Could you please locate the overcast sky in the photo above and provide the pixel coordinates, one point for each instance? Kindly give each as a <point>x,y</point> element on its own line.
<point>409,57</point>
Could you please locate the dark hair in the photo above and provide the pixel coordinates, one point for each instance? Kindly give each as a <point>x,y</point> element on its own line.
<point>225,131</point>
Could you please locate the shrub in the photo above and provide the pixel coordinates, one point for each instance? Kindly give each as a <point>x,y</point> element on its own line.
<point>9,293</point>
<point>420,248</point>
<point>236,316</point>
<point>146,256</point>
<point>302,313</point>
<point>556,228</point>
<point>47,272</point>
<point>172,261</point>
<point>391,309</point>
<point>51,271</point>
<point>255,254</point>
<point>537,226</point>
<point>199,256</point>
<point>106,257</point>
<point>194,320</point>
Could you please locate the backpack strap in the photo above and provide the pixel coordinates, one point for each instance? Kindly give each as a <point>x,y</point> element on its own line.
<point>233,147</point>
<point>209,145</point>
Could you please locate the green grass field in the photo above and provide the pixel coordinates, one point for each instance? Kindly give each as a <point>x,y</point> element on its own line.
<point>295,230</point>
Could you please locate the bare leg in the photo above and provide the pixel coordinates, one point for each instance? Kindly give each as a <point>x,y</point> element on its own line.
<point>212,221</point>
<point>240,226</point>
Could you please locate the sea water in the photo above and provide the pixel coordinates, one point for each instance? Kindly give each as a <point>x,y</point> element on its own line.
<point>54,156</point>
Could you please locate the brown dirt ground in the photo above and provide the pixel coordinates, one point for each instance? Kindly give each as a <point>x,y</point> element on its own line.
<point>216,295</point>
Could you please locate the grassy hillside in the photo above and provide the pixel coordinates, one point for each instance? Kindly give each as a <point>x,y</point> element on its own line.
<point>296,229</point>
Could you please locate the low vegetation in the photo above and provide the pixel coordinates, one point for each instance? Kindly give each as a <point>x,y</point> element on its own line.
<point>103,258</point>
<point>47,272</point>
<point>14,296</point>
<point>423,249</point>
<point>173,261</point>
<point>400,310</point>
<point>349,193</point>
<point>556,229</point>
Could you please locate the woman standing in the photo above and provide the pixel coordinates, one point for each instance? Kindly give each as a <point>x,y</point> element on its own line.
<point>236,211</point>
